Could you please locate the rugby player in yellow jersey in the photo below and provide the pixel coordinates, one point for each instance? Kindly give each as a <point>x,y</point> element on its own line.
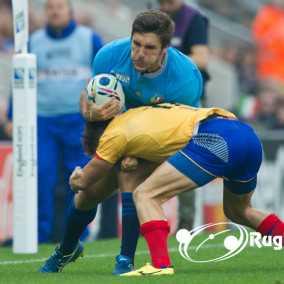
<point>214,144</point>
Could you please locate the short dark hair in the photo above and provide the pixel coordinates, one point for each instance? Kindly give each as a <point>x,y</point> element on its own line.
<point>92,134</point>
<point>154,21</point>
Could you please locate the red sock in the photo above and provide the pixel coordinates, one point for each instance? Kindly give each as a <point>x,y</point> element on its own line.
<point>271,226</point>
<point>156,234</point>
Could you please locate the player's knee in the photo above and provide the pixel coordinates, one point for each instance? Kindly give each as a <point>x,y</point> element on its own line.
<point>229,213</point>
<point>141,195</point>
<point>237,214</point>
<point>138,194</point>
<point>128,181</point>
<point>84,201</point>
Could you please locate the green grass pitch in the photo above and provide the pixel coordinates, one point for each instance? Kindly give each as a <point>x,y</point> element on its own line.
<point>251,266</point>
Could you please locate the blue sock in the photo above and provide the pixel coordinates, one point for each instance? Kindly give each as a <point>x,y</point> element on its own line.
<point>76,223</point>
<point>130,226</point>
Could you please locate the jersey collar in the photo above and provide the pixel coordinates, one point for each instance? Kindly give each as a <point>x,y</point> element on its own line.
<point>65,32</point>
<point>158,72</point>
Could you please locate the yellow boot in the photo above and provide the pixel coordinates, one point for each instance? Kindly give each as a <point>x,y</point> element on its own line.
<point>149,270</point>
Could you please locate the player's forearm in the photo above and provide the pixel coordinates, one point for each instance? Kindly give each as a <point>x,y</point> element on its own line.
<point>200,55</point>
<point>94,171</point>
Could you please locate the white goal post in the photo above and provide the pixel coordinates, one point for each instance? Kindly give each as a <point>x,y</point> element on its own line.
<point>24,85</point>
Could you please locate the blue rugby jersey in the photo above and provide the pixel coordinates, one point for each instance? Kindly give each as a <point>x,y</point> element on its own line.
<point>178,81</point>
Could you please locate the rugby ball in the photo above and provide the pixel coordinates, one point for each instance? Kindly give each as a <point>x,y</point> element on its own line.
<point>103,87</point>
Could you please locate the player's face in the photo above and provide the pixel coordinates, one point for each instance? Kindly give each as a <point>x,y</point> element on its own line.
<point>170,6</point>
<point>146,52</point>
<point>58,13</point>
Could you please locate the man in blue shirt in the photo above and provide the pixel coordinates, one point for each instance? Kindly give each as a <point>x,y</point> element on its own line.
<point>173,77</point>
<point>64,53</point>
<point>151,72</point>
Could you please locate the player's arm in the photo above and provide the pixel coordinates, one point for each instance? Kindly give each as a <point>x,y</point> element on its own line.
<point>97,44</point>
<point>91,112</point>
<point>197,44</point>
<point>102,63</point>
<point>200,55</point>
<point>95,170</point>
<point>197,41</point>
<point>112,147</point>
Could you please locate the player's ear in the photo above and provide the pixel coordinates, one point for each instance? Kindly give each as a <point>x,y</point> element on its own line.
<point>164,51</point>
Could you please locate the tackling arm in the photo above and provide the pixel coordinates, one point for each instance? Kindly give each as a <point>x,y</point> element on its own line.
<point>94,171</point>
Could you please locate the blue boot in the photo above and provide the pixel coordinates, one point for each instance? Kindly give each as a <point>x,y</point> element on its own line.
<point>123,264</point>
<point>57,261</point>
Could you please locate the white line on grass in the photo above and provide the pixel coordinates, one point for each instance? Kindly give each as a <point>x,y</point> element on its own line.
<point>101,255</point>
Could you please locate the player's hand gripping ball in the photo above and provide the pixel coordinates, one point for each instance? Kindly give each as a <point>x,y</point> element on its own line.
<point>102,88</point>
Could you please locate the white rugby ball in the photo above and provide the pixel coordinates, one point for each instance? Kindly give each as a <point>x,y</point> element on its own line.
<point>103,87</point>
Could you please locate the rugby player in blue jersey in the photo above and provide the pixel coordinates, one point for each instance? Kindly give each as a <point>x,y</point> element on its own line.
<point>151,72</point>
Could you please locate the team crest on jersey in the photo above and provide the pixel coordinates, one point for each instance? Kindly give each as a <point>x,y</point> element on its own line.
<point>157,100</point>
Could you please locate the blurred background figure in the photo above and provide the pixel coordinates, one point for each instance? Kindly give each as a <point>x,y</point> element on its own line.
<point>268,33</point>
<point>191,32</point>
<point>279,124</point>
<point>245,67</point>
<point>6,27</point>
<point>266,106</point>
<point>223,88</point>
<point>191,38</point>
<point>6,49</point>
<point>64,51</point>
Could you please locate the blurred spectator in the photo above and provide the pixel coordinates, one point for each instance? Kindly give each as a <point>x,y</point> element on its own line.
<point>191,32</point>
<point>268,32</point>
<point>36,19</point>
<point>266,104</point>
<point>64,53</point>
<point>6,49</point>
<point>191,38</point>
<point>223,88</point>
<point>229,52</point>
<point>279,113</point>
<point>237,11</point>
<point>6,28</point>
<point>246,68</point>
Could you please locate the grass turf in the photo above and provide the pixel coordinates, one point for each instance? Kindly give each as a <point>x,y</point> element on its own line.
<point>251,266</point>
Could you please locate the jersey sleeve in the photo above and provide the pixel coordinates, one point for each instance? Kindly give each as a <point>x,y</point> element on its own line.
<point>97,44</point>
<point>188,93</point>
<point>102,61</point>
<point>197,32</point>
<point>112,147</point>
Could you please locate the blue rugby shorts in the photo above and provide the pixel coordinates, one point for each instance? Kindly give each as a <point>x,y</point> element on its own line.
<point>222,147</point>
